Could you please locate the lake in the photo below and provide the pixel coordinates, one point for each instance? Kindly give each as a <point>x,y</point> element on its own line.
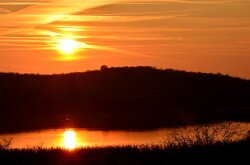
<point>71,138</point>
<point>83,137</point>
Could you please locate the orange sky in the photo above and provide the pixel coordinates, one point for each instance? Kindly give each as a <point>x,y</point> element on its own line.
<point>193,35</point>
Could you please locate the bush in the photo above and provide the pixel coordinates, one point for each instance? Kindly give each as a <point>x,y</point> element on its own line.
<point>5,144</point>
<point>206,134</point>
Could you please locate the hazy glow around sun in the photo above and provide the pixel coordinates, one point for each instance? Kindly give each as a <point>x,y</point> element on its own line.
<point>70,139</point>
<point>69,46</point>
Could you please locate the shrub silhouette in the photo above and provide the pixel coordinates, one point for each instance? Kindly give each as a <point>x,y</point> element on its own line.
<point>5,144</point>
<point>206,134</point>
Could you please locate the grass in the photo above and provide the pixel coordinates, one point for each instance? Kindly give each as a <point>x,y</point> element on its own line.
<point>225,153</point>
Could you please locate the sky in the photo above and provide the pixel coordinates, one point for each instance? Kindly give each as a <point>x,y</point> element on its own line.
<point>193,35</point>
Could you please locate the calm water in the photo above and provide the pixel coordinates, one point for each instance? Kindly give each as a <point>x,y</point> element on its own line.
<point>56,137</point>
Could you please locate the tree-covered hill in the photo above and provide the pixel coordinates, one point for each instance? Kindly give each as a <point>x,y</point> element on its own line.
<point>120,98</point>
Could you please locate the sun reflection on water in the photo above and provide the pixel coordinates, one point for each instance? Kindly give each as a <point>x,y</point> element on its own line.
<point>69,139</point>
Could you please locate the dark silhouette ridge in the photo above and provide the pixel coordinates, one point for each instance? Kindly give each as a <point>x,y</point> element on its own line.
<point>120,98</point>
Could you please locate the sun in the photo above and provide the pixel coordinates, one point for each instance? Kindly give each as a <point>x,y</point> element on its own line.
<point>69,46</point>
<point>70,139</point>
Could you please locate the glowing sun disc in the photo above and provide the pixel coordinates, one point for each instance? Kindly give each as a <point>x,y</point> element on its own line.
<point>69,139</point>
<point>68,45</point>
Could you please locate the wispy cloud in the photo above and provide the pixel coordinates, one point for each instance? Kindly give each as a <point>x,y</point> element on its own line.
<point>181,33</point>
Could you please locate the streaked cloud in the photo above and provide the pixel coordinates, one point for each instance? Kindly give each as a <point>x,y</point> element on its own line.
<point>199,35</point>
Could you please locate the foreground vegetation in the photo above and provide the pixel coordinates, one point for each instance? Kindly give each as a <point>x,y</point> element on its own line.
<point>200,146</point>
<point>225,153</point>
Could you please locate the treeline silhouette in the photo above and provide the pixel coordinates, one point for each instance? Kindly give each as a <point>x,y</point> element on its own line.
<point>120,98</point>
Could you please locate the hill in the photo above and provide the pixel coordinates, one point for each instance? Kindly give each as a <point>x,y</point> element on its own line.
<point>120,98</point>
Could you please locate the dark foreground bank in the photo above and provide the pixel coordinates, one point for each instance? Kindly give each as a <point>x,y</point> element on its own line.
<point>223,153</point>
